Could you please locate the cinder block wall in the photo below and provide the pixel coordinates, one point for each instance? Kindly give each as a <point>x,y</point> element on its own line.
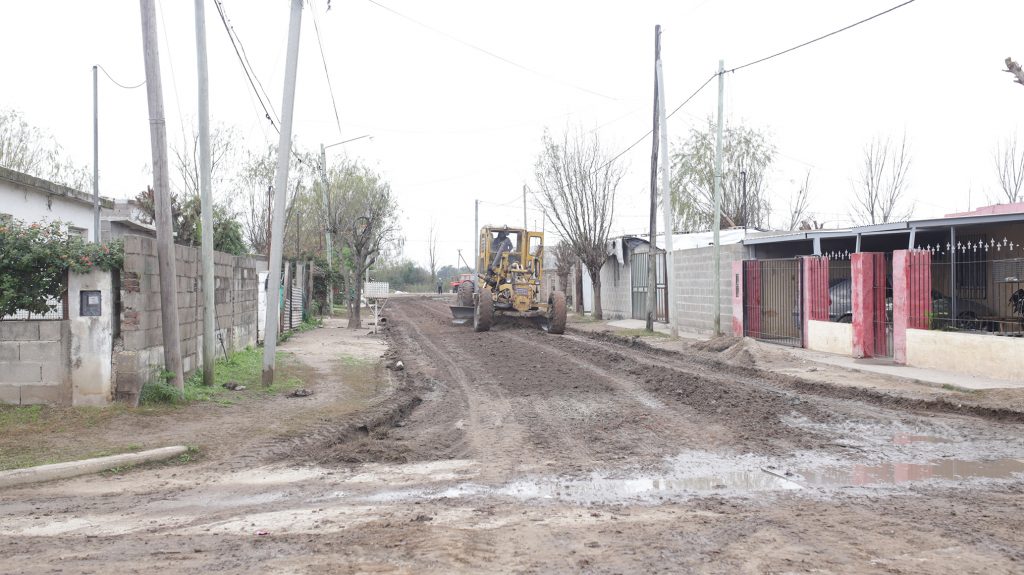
<point>34,366</point>
<point>616,290</point>
<point>692,282</point>
<point>139,356</point>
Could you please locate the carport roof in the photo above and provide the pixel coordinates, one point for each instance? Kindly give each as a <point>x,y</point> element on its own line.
<point>888,228</point>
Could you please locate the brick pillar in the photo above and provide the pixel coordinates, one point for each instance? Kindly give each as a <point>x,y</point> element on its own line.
<point>813,292</point>
<point>911,295</point>
<point>737,298</point>
<point>862,275</point>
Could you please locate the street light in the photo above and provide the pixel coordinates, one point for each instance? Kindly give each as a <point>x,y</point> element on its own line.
<point>327,208</point>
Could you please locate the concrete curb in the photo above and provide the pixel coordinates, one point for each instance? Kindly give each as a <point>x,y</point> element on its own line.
<point>67,469</point>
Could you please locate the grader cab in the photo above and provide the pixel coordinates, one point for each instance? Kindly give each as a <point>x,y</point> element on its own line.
<point>508,283</point>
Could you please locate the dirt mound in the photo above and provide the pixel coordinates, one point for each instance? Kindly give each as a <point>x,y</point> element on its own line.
<point>732,350</point>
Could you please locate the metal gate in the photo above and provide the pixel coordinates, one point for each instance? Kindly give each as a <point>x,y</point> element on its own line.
<point>638,283</point>
<point>881,305</point>
<point>771,301</point>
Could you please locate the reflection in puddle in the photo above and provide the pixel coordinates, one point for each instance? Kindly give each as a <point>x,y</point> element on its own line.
<point>602,489</point>
<point>888,473</point>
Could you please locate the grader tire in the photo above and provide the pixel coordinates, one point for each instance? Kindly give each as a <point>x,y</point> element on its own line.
<point>465,294</point>
<point>483,314</point>
<point>556,313</point>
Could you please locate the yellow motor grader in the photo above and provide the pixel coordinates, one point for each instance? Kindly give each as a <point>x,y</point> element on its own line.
<point>508,282</point>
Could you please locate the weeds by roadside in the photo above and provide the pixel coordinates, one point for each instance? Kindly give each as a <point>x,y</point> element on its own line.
<point>244,368</point>
<point>639,333</point>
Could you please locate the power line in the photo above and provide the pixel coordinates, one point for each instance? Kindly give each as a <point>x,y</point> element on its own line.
<point>492,54</point>
<point>236,43</point>
<point>316,26</point>
<point>833,33</point>
<point>119,84</point>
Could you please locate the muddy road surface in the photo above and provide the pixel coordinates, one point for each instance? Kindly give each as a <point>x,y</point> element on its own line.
<point>515,451</point>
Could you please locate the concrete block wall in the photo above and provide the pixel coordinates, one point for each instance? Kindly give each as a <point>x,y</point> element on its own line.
<point>34,362</point>
<point>139,356</point>
<point>693,285</point>
<point>616,294</point>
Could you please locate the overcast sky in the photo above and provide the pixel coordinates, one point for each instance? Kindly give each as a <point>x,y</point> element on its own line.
<point>458,93</point>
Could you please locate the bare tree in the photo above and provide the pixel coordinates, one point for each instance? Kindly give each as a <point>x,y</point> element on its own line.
<point>578,179</point>
<point>1010,169</point>
<point>747,155</point>
<point>223,161</point>
<point>432,251</point>
<point>799,202</point>
<point>564,259</point>
<point>365,221</point>
<point>253,192</point>
<point>1015,69</point>
<point>29,150</point>
<point>882,188</point>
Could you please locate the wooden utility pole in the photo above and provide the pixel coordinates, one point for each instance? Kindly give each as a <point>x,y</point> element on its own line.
<point>716,281</point>
<point>162,197</point>
<point>652,256</point>
<point>206,198</point>
<point>666,203</point>
<point>284,150</point>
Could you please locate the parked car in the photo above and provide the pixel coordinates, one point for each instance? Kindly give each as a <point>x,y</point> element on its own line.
<point>970,313</point>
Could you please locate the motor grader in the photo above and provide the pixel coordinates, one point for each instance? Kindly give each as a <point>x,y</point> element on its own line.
<point>508,283</point>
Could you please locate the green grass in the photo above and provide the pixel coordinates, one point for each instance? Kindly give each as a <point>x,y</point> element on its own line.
<point>19,415</point>
<point>353,361</point>
<point>244,368</point>
<point>640,333</point>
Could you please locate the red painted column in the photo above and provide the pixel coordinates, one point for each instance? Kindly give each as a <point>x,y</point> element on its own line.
<point>862,270</point>
<point>911,295</point>
<point>752,287</point>
<point>814,291</point>
<point>737,298</point>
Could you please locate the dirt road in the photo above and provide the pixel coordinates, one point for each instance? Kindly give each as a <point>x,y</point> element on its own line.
<point>518,451</point>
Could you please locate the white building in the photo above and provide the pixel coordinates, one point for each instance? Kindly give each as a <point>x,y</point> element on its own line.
<point>30,199</point>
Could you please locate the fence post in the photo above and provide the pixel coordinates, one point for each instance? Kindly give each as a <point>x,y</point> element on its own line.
<point>862,271</point>
<point>737,298</point>
<point>814,292</point>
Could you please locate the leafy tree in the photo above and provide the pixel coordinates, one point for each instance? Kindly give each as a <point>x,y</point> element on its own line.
<point>27,149</point>
<point>186,221</point>
<point>878,196</point>
<point>747,156</point>
<point>404,275</point>
<point>578,180</point>
<point>363,218</point>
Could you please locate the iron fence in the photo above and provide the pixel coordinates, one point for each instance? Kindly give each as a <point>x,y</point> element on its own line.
<point>975,286</point>
<point>840,287</point>
<point>638,286</point>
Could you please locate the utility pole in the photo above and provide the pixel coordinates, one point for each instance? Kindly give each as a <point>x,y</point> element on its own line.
<point>328,220</point>
<point>476,242</point>
<point>666,202</point>
<point>525,226</point>
<point>743,174</point>
<point>652,256</point>
<point>284,150</point>
<point>206,198</point>
<point>716,286</point>
<point>162,197</point>
<point>95,159</point>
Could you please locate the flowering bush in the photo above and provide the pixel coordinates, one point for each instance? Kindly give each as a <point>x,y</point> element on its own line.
<point>35,258</point>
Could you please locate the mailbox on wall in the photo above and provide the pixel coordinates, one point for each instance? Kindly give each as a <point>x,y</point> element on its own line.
<point>91,303</point>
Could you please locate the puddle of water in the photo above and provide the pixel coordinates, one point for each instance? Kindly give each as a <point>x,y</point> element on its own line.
<point>906,438</point>
<point>604,490</point>
<point>892,473</point>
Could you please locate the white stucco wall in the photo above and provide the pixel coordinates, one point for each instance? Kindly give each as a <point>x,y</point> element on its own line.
<point>30,203</point>
<point>830,337</point>
<point>974,354</point>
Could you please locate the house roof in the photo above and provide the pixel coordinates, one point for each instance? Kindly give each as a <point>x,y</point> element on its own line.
<point>50,188</point>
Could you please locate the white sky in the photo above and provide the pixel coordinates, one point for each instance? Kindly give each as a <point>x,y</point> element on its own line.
<point>452,124</point>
